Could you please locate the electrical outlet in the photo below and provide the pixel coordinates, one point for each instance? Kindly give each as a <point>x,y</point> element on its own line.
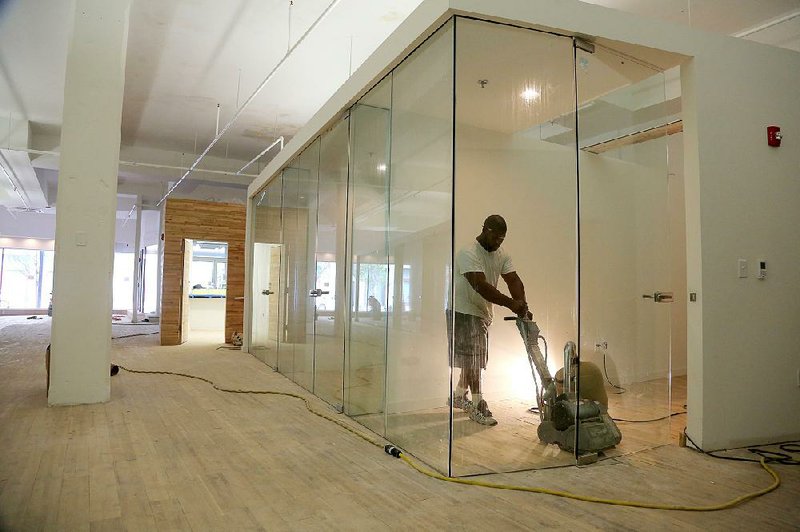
<point>742,264</point>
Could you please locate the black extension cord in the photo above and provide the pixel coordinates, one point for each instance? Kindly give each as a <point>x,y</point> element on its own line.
<point>770,457</point>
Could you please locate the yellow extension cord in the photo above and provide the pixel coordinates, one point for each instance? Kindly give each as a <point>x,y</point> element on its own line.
<point>470,482</point>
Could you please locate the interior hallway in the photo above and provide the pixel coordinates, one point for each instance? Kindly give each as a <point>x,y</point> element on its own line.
<point>172,453</point>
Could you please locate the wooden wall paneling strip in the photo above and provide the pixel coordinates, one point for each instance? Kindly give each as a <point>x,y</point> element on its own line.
<point>201,220</point>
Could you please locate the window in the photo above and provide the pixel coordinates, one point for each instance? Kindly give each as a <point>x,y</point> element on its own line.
<point>208,276</point>
<point>26,278</point>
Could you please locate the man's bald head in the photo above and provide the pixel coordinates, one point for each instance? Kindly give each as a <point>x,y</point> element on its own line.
<point>495,222</point>
<point>493,234</point>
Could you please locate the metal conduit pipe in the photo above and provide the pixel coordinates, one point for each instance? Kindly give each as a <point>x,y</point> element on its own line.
<point>254,159</point>
<point>137,163</point>
<point>250,99</point>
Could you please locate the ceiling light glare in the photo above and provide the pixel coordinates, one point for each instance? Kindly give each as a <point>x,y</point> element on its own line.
<point>530,94</point>
<point>381,168</point>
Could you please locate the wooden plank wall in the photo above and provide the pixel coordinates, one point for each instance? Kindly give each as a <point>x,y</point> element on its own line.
<point>201,220</point>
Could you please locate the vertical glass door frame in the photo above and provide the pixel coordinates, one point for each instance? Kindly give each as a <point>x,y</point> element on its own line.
<point>340,301</point>
<point>451,288</point>
<point>578,300</point>
<point>649,330</point>
<point>562,103</point>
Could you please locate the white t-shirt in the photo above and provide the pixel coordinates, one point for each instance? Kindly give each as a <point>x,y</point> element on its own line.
<point>474,258</point>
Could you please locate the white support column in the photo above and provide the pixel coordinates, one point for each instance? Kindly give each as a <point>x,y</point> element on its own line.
<point>87,203</point>
<point>160,266</point>
<point>137,246</point>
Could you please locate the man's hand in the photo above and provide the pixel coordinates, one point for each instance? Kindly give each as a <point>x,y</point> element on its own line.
<point>520,308</point>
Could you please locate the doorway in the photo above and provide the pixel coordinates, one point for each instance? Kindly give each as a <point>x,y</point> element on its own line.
<point>205,285</point>
<point>266,302</point>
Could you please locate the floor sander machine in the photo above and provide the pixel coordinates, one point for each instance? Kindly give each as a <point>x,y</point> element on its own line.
<point>594,430</point>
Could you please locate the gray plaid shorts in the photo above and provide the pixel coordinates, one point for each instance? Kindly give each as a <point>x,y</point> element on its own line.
<point>471,346</point>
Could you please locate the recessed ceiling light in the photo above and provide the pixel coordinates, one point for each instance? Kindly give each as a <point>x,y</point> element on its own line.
<point>530,94</point>
<point>381,167</point>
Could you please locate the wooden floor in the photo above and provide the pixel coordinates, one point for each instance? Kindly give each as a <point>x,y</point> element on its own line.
<point>168,453</point>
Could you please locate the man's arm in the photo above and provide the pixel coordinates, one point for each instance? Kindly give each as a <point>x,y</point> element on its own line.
<point>491,294</point>
<point>516,288</point>
<point>515,285</point>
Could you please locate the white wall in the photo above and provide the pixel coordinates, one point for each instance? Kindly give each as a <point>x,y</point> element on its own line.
<point>207,314</point>
<point>742,202</point>
<point>623,230</point>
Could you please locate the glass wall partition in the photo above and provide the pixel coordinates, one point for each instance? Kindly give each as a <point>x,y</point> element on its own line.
<point>300,183</point>
<point>330,258</point>
<point>290,304</point>
<point>266,328</point>
<point>365,354</point>
<point>305,244</point>
<point>624,117</point>
<point>514,91</point>
<point>419,243</point>
<point>494,164</point>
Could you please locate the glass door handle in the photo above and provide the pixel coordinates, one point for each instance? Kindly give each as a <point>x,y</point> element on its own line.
<point>267,292</point>
<point>318,292</point>
<point>659,297</point>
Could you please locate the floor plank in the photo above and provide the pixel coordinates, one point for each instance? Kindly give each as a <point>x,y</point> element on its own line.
<point>167,453</point>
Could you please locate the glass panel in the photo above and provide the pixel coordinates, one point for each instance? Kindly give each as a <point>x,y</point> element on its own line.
<point>266,273</point>
<point>331,257</point>
<point>623,119</point>
<point>202,275</point>
<point>21,281</point>
<point>365,355</point>
<point>290,299</point>
<point>123,281</point>
<point>207,277</point>
<point>301,181</point>
<point>420,242</point>
<point>46,276</point>
<point>514,90</point>
<point>150,278</point>
<point>307,191</point>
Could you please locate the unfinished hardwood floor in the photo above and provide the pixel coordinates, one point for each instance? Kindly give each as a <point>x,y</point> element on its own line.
<point>169,453</point>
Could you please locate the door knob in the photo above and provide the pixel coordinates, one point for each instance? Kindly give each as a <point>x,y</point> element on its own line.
<point>659,297</point>
<point>267,292</point>
<point>317,292</point>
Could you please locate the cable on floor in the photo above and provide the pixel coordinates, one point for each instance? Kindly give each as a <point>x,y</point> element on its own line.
<point>397,453</point>
<point>766,456</point>
<point>261,392</point>
<point>605,372</point>
<point>136,334</point>
<point>635,504</point>
<point>648,420</point>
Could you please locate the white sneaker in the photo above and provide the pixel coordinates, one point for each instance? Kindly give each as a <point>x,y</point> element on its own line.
<point>461,401</point>
<point>480,417</point>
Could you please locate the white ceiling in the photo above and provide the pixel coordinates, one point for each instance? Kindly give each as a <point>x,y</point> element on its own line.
<point>186,57</point>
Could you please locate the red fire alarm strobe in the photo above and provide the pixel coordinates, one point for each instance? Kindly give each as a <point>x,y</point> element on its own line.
<point>774,136</point>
